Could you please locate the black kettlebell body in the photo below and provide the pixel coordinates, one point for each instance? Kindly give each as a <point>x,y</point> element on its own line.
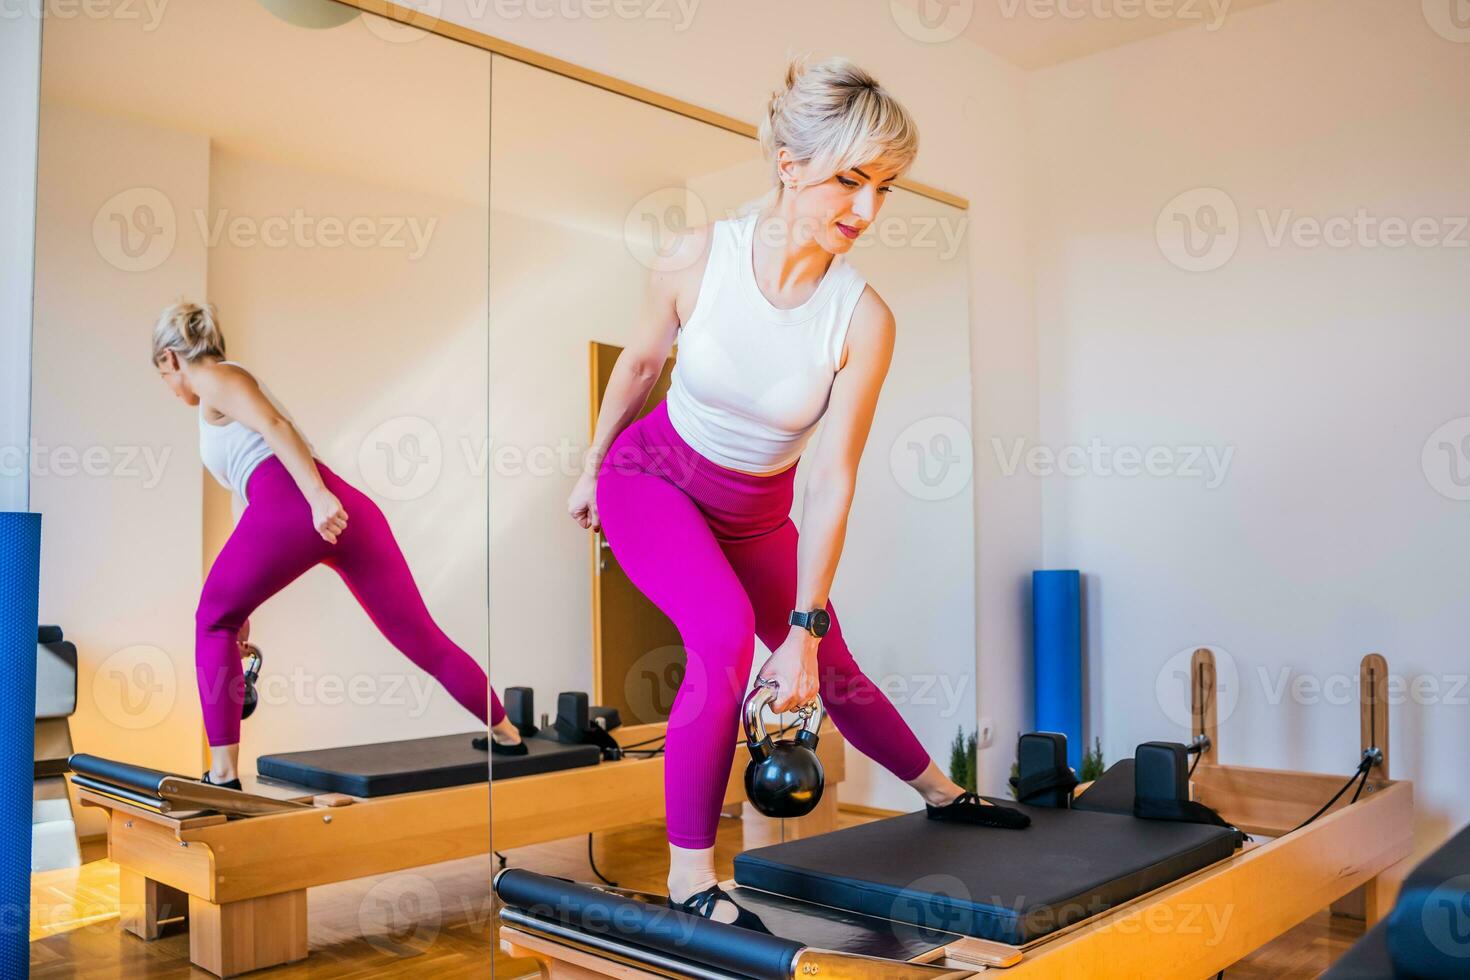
<point>784,778</point>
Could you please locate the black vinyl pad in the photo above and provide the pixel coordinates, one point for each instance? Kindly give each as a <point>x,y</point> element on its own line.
<point>384,768</point>
<point>544,755</point>
<point>1010,886</point>
<point>136,779</point>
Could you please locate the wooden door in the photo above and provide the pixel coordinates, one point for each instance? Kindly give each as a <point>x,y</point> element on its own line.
<point>637,655</point>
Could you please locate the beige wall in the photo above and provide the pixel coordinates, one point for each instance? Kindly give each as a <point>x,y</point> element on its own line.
<point>540,591</point>
<point>367,347</point>
<point>120,562</point>
<point>1324,370</point>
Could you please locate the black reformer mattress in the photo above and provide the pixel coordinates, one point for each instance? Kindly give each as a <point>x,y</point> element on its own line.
<point>416,764</point>
<point>383,768</point>
<point>1010,886</point>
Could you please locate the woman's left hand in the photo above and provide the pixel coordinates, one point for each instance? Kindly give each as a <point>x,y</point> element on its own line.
<point>794,669</point>
<point>327,515</point>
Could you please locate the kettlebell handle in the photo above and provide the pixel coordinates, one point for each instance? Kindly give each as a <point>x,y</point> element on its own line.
<point>251,670</point>
<point>252,660</point>
<point>757,739</point>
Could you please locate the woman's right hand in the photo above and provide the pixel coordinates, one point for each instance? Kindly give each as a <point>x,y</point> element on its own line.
<point>582,504</point>
<point>327,515</point>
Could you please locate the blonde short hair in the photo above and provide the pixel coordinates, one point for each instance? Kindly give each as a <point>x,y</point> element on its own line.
<point>190,331</point>
<point>833,116</point>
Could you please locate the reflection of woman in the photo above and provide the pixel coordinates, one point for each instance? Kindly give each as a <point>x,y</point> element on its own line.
<point>776,332</point>
<point>296,517</point>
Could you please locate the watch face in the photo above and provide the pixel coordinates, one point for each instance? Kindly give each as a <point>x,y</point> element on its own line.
<point>820,622</point>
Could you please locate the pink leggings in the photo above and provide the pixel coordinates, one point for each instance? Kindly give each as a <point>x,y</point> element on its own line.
<point>272,546</point>
<point>715,550</point>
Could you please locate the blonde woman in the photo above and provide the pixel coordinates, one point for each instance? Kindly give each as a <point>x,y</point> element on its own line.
<point>298,514</point>
<point>776,332</point>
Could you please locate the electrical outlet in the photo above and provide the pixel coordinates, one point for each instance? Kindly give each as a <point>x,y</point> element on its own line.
<point>986,734</point>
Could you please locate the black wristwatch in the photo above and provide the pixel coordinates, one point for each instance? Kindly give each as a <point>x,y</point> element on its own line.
<point>816,622</point>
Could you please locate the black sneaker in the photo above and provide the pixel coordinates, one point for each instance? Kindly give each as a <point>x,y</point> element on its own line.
<point>703,904</point>
<point>483,742</point>
<point>232,784</point>
<point>969,809</point>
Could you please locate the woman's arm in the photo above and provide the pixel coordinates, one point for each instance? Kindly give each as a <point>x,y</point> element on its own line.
<point>236,395</point>
<point>639,365</point>
<point>832,478</point>
<point>831,482</point>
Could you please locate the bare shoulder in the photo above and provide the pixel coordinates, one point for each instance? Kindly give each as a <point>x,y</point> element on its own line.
<point>220,373</point>
<point>222,383</point>
<point>872,329</point>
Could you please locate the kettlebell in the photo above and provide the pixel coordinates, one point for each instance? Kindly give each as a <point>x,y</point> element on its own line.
<point>784,778</point>
<point>252,674</point>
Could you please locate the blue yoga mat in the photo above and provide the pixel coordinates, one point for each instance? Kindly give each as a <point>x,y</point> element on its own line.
<point>1056,621</point>
<point>20,571</point>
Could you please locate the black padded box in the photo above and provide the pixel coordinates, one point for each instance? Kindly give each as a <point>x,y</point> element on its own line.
<point>1011,886</point>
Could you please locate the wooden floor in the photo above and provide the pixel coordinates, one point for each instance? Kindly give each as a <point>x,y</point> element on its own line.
<point>431,922</point>
<point>437,922</point>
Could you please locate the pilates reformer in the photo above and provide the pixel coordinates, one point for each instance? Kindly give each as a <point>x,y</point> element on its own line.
<point>1145,897</point>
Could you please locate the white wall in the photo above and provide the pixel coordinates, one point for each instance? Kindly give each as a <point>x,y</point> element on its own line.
<point>1323,369</point>
<point>117,472</point>
<point>378,352</point>
<point>20,79</point>
<point>540,590</point>
<point>905,590</point>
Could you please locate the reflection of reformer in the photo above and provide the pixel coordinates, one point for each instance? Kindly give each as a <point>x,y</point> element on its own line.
<point>164,793</point>
<point>237,865</point>
<point>1121,879</point>
<point>53,833</point>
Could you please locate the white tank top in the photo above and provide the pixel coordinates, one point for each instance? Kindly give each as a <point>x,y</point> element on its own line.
<point>232,451</point>
<point>751,380</point>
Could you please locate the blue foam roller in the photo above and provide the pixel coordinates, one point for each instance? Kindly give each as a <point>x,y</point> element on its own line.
<point>20,572</point>
<point>1056,621</point>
